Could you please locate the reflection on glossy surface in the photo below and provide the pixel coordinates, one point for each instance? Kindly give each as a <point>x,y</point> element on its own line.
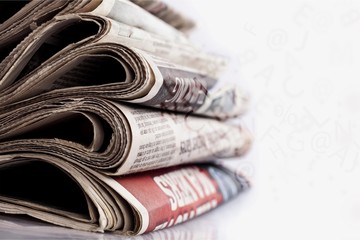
<point>22,227</point>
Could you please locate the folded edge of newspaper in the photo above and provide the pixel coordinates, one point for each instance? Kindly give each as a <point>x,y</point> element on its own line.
<point>130,205</point>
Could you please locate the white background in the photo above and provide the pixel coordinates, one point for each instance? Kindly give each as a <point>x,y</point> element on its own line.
<point>300,61</point>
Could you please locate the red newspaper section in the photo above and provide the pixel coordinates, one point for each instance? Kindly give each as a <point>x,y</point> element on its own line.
<point>177,194</point>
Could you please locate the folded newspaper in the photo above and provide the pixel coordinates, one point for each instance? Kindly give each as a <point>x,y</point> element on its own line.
<point>115,138</point>
<point>111,103</point>
<point>96,55</point>
<point>166,13</point>
<point>18,18</point>
<point>81,198</point>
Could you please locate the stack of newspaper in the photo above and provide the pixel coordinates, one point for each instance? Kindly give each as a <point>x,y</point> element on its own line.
<point>110,119</point>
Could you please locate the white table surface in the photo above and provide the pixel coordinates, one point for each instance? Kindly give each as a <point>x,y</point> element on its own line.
<point>300,61</point>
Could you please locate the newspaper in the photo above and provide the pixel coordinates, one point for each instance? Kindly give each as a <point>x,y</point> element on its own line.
<point>118,204</point>
<point>79,52</point>
<point>103,150</point>
<point>19,18</point>
<point>166,13</point>
<point>112,104</point>
<point>115,138</point>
